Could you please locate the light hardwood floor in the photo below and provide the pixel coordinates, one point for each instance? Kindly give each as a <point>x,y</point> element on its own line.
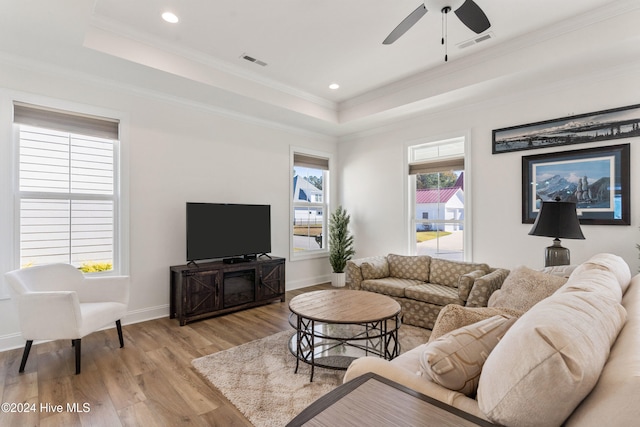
<point>149,382</point>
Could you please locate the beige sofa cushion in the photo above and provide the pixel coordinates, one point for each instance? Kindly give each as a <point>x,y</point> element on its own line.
<point>605,273</point>
<point>607,262</point>
<point>375,269</point>
<point>433,294</point>
<point>614,399</point>
<point>562,343</point>
<point>409,267</point>
<point>391,286</point>
<point>455,359</point>
<point>445,272</point>
<point>524,287</point>
<point>454,316</point>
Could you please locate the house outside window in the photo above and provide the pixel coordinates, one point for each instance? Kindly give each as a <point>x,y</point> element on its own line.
<point>437,201</point>
<point>309,206</point>
<point>67,188</point>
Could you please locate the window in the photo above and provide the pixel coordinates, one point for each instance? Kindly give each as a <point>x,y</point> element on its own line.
<point>437,203</point>
<point>67,188</point>
<point>309,205</point>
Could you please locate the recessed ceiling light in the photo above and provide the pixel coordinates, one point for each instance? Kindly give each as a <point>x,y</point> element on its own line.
<point>170,17</point>
<point>334,86</point>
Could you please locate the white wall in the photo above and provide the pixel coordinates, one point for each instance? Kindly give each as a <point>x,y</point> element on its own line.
<point>179,152</point>
<point>372,169</point>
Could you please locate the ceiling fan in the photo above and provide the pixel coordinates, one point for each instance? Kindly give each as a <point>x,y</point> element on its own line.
<point>466,10</point>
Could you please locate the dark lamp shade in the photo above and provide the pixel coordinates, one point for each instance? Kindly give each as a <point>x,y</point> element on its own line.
<point>558,220</point>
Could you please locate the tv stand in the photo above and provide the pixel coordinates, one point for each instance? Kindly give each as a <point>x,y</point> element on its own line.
<point>235,260</point>
<point>198,291</point>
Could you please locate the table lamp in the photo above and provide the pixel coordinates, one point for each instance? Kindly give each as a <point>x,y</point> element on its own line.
<point>557,219</point>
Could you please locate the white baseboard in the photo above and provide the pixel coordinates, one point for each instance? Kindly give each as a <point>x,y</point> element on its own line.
<point>11,341</point>
<point>15,340</point>
<point>144,314</point>
<point>309,281</point>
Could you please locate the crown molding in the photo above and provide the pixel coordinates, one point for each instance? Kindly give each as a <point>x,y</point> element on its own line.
<point>110,26</point>
<point>31,65</point>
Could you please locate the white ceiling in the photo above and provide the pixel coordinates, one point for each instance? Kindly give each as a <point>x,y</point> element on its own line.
<point>309,44</point>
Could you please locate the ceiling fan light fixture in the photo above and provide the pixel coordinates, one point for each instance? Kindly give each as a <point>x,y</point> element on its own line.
<point>439,5</point>
<point>467,11</point>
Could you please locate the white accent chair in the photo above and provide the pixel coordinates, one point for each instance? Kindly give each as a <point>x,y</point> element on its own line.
<point>56,301</point>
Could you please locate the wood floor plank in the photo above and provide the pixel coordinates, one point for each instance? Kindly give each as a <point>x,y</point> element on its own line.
<point>139,414</point>
<point>185,381</point>
<point>23,390</point>
<point>92,398</point>
<point>166,401</point>
<point>121,385</point>
<point>149,382</point>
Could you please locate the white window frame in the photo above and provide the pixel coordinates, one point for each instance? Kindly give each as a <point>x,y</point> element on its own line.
<point>410,192</point>
<point>9,191</point>
<point>324,205</point>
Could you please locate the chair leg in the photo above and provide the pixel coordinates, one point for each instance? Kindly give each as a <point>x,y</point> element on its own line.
<point>77,345</point>
<point>25,355</point>
<point>119,328</point>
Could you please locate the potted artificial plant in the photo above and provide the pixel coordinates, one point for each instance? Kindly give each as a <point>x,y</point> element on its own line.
<point>340,245</point>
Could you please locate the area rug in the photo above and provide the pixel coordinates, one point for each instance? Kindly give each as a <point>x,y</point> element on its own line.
<point>259,379</point>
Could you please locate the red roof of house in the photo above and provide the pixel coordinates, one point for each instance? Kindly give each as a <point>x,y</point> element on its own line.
<point>435,196</point>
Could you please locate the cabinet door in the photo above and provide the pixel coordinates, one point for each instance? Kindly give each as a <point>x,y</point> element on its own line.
<point>271,280</point>
<point>202,290</point>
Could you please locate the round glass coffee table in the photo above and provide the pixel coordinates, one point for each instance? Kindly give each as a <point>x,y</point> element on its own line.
<point>334,327</point>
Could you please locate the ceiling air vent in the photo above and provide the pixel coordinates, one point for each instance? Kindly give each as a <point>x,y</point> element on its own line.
<point>476,40</point>
<point>252,59</point>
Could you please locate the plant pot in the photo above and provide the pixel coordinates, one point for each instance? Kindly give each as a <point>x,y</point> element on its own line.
<point>338,280</point>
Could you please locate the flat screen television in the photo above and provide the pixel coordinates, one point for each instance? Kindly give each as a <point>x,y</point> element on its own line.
<point>222,230</point>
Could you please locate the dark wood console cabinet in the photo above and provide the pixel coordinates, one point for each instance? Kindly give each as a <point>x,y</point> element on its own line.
<point>217,288</point>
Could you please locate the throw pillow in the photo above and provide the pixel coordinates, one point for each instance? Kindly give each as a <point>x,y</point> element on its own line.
<point>524,287</point>
<point>466,281</point>
<point>455,316</point>
<point>374,270</point>
<point>409,267</point>
<point>445,272</point>
<point>455,359</point>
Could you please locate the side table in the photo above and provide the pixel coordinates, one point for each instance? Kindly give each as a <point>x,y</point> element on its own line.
<point>372,400</point>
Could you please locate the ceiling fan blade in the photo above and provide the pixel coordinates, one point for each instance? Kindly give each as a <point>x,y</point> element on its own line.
<point>406,23</point>
<point>473,17</point>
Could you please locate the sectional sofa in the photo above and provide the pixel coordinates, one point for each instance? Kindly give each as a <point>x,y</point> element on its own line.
<point>422,285</point>
<point>570,358</point>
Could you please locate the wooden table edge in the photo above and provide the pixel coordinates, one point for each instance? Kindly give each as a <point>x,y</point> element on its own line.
<point>342,390</point>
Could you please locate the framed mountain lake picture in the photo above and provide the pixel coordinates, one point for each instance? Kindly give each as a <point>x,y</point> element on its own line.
<point>596,179</point>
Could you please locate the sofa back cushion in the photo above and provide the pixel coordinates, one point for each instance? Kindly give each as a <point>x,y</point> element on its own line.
<point>611,263</point>
<point>550,359</point>
<point>445,272</point>
<point>613,401</point>
<point>409,267</point>
<point>524,287</point>
<point>606,273</point>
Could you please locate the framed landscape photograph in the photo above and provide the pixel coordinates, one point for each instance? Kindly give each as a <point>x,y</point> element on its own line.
<point>596,179</point>
<point>599,126</point>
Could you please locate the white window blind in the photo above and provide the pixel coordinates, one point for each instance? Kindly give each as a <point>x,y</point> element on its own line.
<point>66,187</point>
